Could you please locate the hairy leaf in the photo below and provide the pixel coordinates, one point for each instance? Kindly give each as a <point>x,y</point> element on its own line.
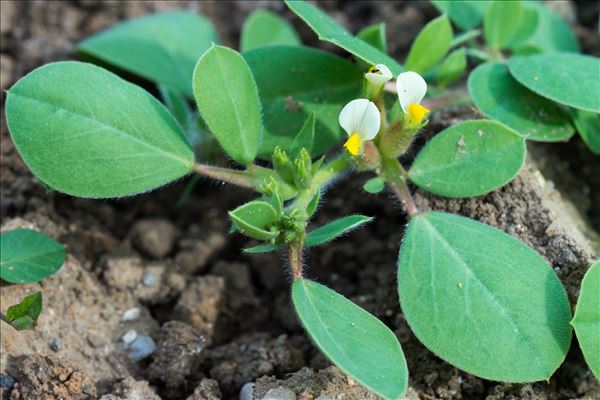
<point>482,300</point>
<point>430,46</point>
<point>86,132</point>
<point>264,28</point>
<point>335,229</point>
<point>466,14</point>
<point>357,342</point>
<point>469,159</point>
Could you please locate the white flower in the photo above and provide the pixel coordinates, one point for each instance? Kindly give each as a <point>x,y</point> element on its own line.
<point>379,75</point>
<point>361,120</point>
<point>411,90</point>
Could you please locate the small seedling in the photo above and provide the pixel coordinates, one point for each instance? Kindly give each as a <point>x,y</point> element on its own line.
<point>293,119</point>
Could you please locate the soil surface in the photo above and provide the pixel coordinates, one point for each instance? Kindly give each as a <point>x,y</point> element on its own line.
<point>156,301</point>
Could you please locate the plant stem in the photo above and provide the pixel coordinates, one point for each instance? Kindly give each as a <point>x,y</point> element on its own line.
<point>295,257</point>
<point>465,37</point>
<point>232,176</point>
<point>395,176</point>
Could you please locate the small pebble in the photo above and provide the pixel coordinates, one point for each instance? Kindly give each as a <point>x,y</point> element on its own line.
<point>54,344</point>
<point>247,391</point>
<point>129,337</point>
<point>323,397</point>
<point>280,393</point>
<point>6,381</point>
<point>149,279</point>
<point>131,315</point>
<point>79,327</point>
<point>142,347</point>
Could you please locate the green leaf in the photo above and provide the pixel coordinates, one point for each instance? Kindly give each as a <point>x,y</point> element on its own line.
<point>501,23</point>
<point>566,78</point>
<point>161,47</point>
<point>28,256</point>
<point>335,229</point>
<point>304,138</point>
<point>551,32</point>
<point>452,68</point>
<point>295,81</point>
<point>588,126</point>
<point>86,132</point>
<point>227,98</point>
<point>329,30</point>
<point>253,219</point>
<point>526,26</point>
<point>469,159</point>
<point>264,28</point>
<point>375,36</point>
<point>430,46</point>
<point>261,248</point>
<point>374,185</point>
<point>482,300</point>
<point>587,318</point>
<point>466,14</point>
<point>313,204</point>
<point>24,316</point>
<point>499,96</point>
<point>354,340</point>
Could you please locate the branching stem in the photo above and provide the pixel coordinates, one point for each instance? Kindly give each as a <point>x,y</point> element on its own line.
<point>395,176</point>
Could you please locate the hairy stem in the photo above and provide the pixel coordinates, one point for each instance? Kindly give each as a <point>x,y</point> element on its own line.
<point>295,257</point>
<point>235,177</point>
<point>395,176</point>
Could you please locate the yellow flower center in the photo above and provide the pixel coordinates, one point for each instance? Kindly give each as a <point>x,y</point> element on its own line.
<point>416,113</point>
<point>353,144</point>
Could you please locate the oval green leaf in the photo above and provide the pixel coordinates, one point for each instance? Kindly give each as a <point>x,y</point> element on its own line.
<point>254,218</point>
<point>24,316</point>
<point>566,78</point>
<point>482,300</point>
<point>469,159</point>
<point>375,36</point>
<point>466,14</point>
<point>86,132</point>
<point>295,81</point>
<point>329,30</point>
<point>332,230</point>
<point>499,96</point>
<point>587,318</point>
<point>374,185</point>
<point>501,23</point>
<point>357,342</point>
<point>588,127</point>
<point>264,28</point>
<point>452,68</point>
<point>227,98</point>
<point>430,46</point>
<point>28,256</point>
<point>162,47</point>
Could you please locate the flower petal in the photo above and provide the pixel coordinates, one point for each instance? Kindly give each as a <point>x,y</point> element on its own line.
<point>411,89</point>
<point>379,74</point>
<point>360,116</point>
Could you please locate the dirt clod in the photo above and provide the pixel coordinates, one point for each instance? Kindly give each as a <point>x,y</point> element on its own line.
<point>130,389</point>
<point>178,354</point>
<point>48,378</point>
<point>208,389</point>
<point>154,237</point>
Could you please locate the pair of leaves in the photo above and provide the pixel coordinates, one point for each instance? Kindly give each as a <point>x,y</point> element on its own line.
<point>24,316</point>
<point>28,256</point>
<point>482,300</point>
<point>469,159</point>
<point>586,321</point>
<point>329,30</point>
<point>162,47</point>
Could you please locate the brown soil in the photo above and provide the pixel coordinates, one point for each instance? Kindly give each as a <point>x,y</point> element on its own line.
<point>221,320</point>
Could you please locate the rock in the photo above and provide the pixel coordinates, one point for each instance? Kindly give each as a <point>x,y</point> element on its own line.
<point>6,381</point>
<point>201,304</point>
<point>177,355</point>
<point>130,389</point>
<point>154,237</point>
<point>142,347</point>
<point>247,391</point>
<point>54,344</point>
<point>279,393</point>
<point>129,337</point>
<point>252,356</point>
<point>42,377</point>
<point>208,389</point>
<point>131,314</point>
